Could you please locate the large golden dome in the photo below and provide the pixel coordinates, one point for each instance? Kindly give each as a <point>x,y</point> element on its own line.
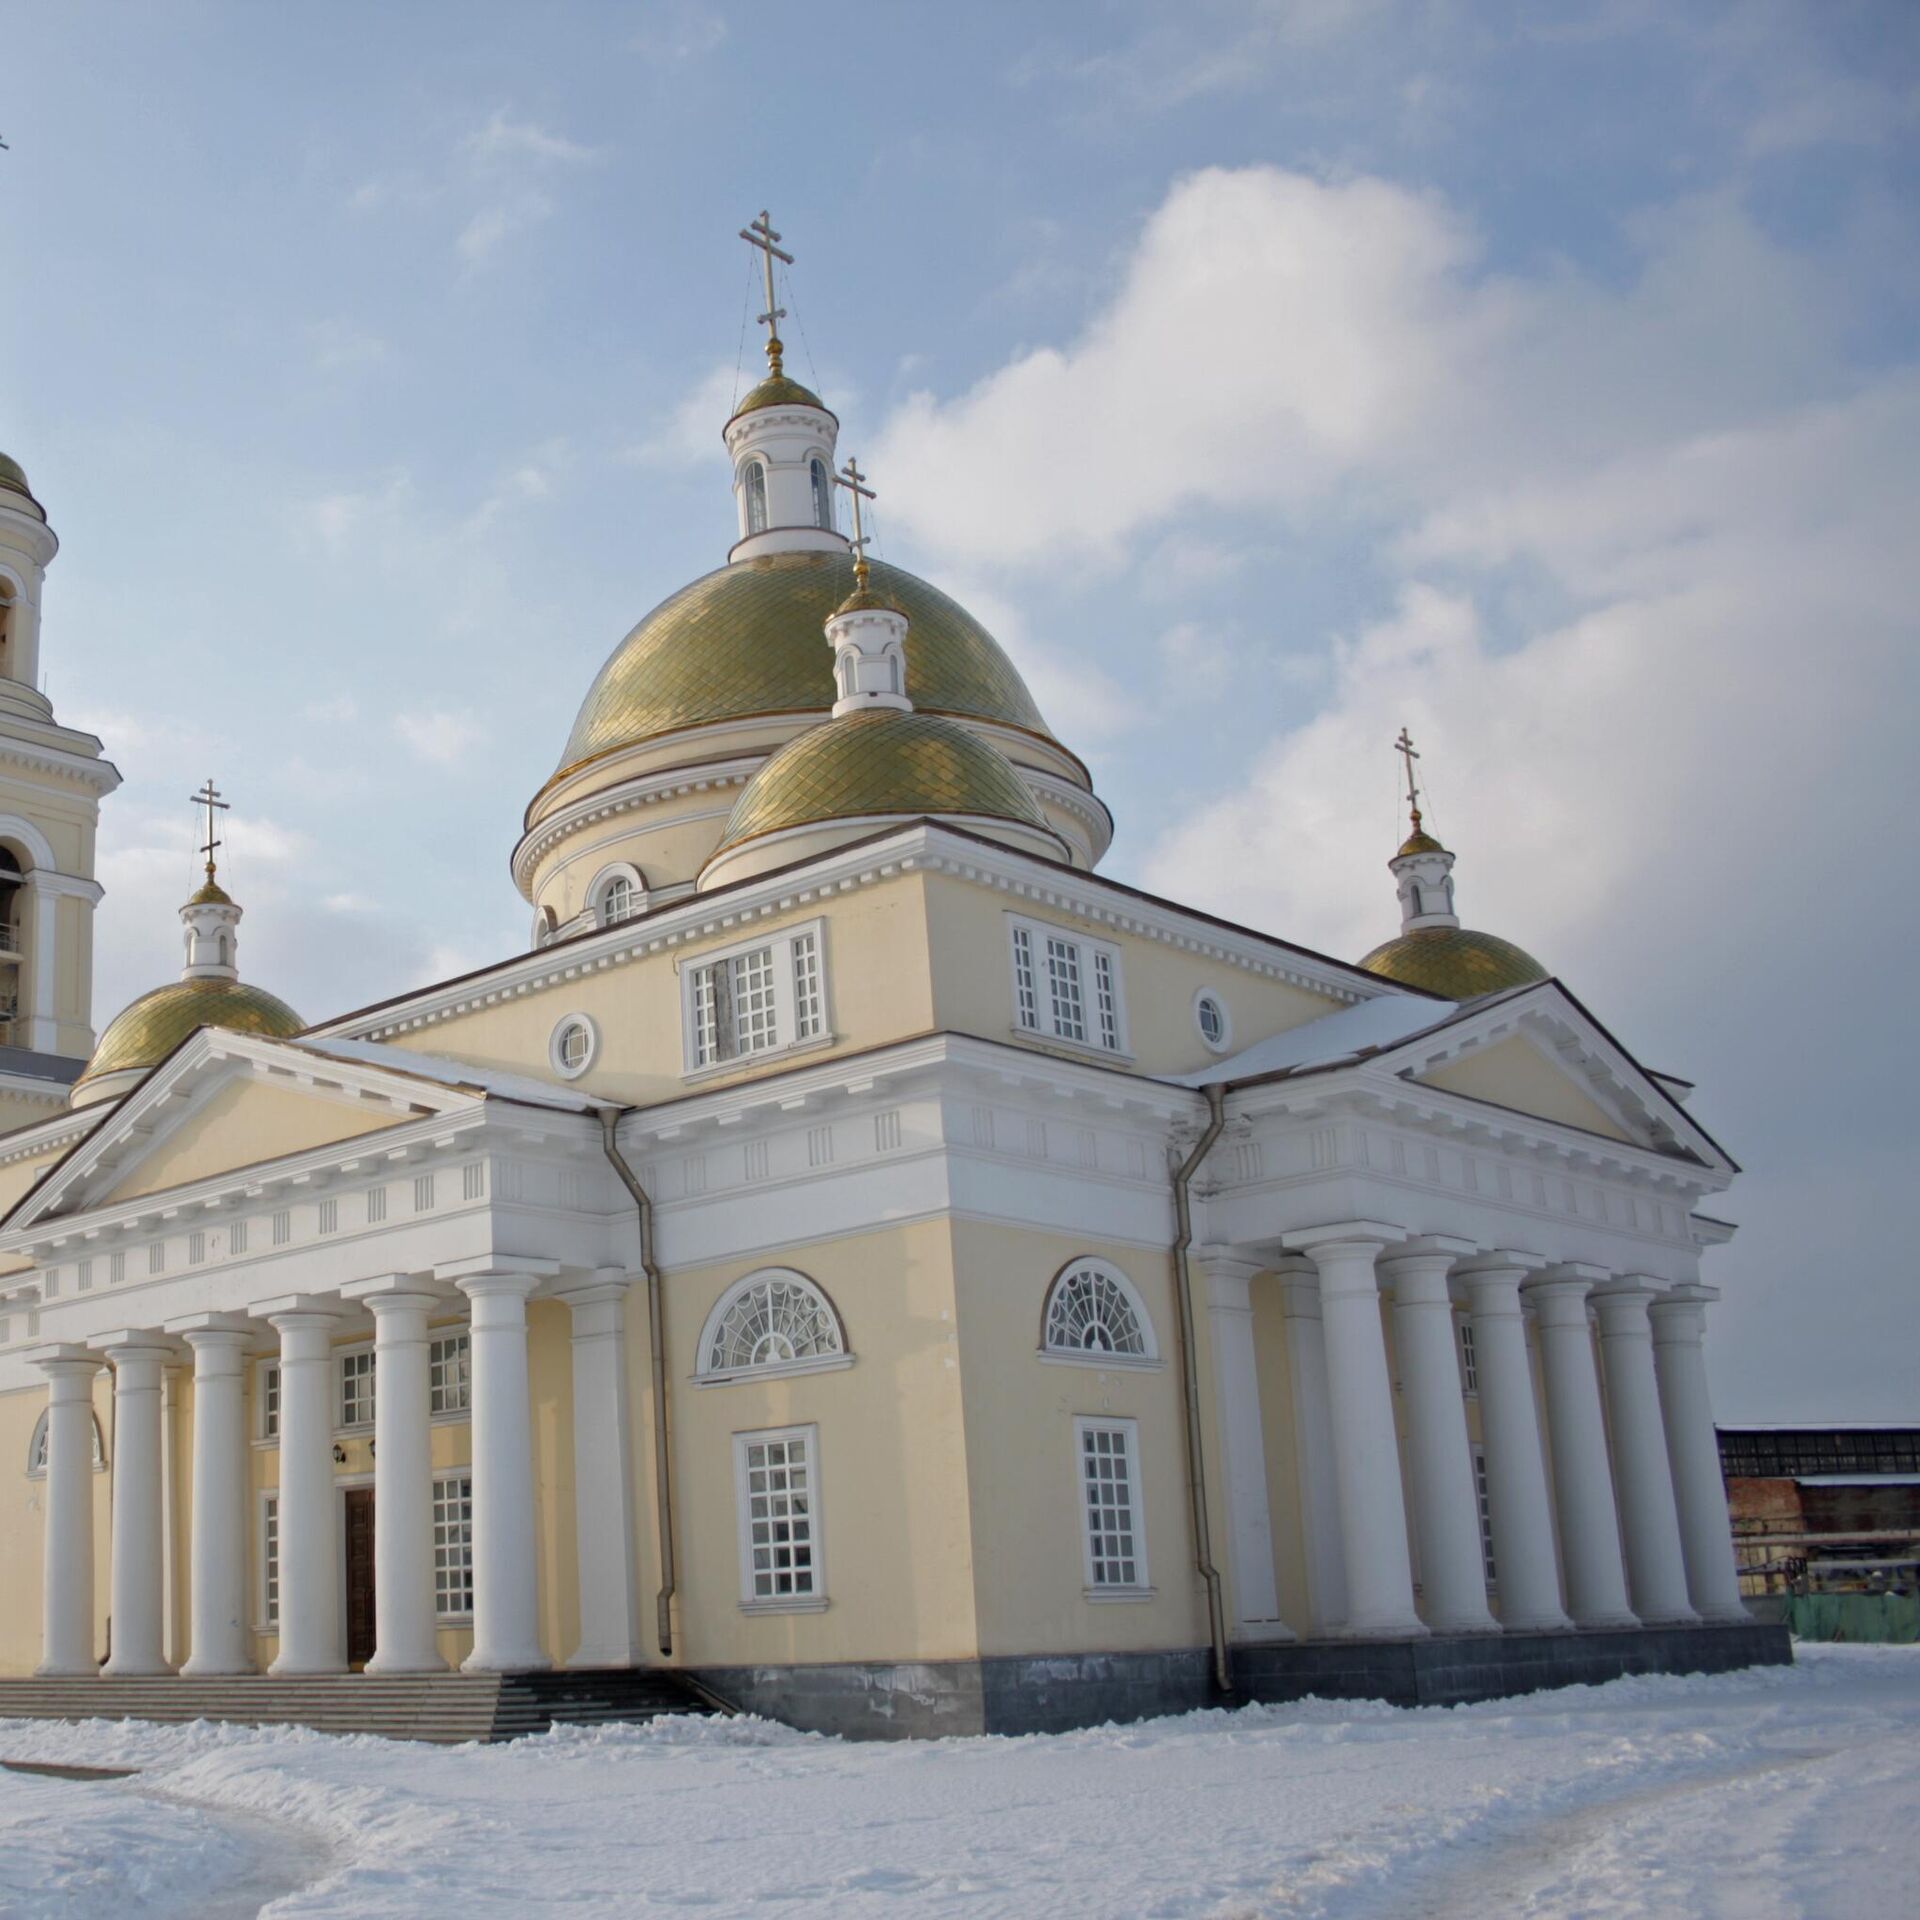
<point>885,762</point>
<point>746,640</point>
<point>143,1034</point>
<point>1454,962</point>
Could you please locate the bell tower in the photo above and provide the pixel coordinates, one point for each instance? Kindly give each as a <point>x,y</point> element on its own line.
<point>52,780</point>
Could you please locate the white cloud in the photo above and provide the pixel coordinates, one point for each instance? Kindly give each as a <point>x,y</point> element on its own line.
<point>505,140</point>
<point>492,226</point>
<point>690,435</point>
<point>439,737</point>
<point>678,32</point>
<point>339,346</point>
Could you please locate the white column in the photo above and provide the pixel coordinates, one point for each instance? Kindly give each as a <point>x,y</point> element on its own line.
<point>1366,1449</point>
<point>42,1031</point>
<point>1524,1564</point>
<point>219,1638</point>
<point>172,1651</point>
<point>506,1622</point>
<point>1582,1479</point>
<point>310,1519</point>
<point>1656,1568</point>
<point>603,1475</point>
<point>1693,1452</point>
<point>136,1622</point>
<point>67,1573</point>
<point>1243,1446</point>
<point>403,1602</point>
<point>1446,1507</point>
<point>1313,1445</point>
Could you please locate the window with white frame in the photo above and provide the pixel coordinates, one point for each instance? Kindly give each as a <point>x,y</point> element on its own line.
<point>356,1388</point>
<point>1469,1367</point>
<point>270,1560</point>
<point>776,1484</point>
<point>755,481</point>
<point>755,999</point>
<point>572,1045</point>
<point>1485,1500</point>
<point>449,1373</point>
<point>776,1321</point>
<point>1108,1458</point>
<point>822,493</point>
<point>37,1448</point>
<point>1093,1313</point>
<point>268,1381</point>
<point>616,898</point>
<point>1067,987</point>
<point>453,1545</point>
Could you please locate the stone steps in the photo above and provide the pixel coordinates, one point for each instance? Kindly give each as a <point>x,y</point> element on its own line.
<point>438,1707</point>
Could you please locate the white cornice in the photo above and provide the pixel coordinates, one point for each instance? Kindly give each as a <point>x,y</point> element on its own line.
<point>87,770</point>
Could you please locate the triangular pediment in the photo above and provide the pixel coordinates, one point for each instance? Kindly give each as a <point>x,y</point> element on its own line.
<point>1517,1073</point>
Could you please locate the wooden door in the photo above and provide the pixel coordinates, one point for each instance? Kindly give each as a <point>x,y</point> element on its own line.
<point>359,1575</point>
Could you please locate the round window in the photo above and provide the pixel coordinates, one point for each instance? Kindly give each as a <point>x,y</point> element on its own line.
<point>574,1043</point>
<point>1210,1012</point>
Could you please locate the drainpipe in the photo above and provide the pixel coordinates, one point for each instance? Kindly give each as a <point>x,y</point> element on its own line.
<point>1190,1384</point>
<point>656,1347</point>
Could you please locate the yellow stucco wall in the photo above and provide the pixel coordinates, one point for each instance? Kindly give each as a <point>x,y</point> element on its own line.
<point>1514,1073</point>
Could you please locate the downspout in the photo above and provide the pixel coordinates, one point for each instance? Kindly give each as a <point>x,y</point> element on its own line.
<point>1190,1384</point>
<point>656,1348</point>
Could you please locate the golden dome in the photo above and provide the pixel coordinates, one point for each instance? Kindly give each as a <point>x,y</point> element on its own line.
<point>746,639</point>
<point>887,761</point>
<point>143,1034</point>
<point>13,477</point>
<point>776,390</point>
<point>1453,962</point>
<point>1419,841</point>
<point>210,894</point>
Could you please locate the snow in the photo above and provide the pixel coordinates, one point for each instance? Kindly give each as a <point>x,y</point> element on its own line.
<point>1383,1021</point>
<point>1774,1792</point>
<point>517,1087</point>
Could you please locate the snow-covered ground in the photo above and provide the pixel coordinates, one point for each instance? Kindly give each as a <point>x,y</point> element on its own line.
<point>1735,1798</point>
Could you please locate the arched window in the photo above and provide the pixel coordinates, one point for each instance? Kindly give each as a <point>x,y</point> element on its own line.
<point>37,1449</point>
<point>755,482</point>
<point>1094,1314</point>
<point>6,620</point>
<point>822,494</point>
<point>616,898</point>
<point>13,944</point>
<point>773,1321</point>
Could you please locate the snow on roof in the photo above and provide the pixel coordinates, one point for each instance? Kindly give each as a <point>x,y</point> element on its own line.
<point>517,1087</point>
<point>1383,1021</point>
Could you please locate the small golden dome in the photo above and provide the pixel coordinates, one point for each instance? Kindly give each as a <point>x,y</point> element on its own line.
<point>885,762</point>
<point>13,479</point>
<point>1419,841</point>
<point>143,1034</point>
<point>776,390</point>
<point>210,894</point>
<point>745,640</point>
<point>1454,962</point>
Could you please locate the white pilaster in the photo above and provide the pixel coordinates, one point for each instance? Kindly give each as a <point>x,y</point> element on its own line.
<point>1525,1566</point>
<point>1243,1446</point>
<point>603,1475</point>
<point>403,1602</point>
<point>1582,1478</point>
<point>66,1636</point>
<point>219,1639</point>
<point>1366,1449</point>
<point>136,1639</point>
<point>42,1030</point>
<point>311,1640</point>
<point>506,1623</point>
<point>1313,1445</point>
<point>1446,1508</point>
<point>1693,1451</point>
<point>1650,1523</point>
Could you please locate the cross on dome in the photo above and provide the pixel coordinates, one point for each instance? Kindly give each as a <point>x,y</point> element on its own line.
<point>761,235</point>
<point>209,797</point>
<point>1405,748</point>
<point>855,483</point>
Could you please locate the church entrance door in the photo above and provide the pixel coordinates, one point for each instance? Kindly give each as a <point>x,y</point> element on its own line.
<point>360,1642</point>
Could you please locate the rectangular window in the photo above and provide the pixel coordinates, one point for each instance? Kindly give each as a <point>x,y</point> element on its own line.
<point>776,1486</point>
<point>757,999</point>
<point>1486,1510</point>
<point>270,1561</point>
<point>450,1373</point>
<point>1469,1371</point>
<point>376,1205</point>
<point>269,1402</point>
<point>1067,988</point>
<point>356,1388</point>
<point>453,1545</point>
<point>1110,1505</point>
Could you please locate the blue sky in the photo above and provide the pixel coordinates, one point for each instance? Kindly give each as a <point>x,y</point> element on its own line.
<point>1266,372</point>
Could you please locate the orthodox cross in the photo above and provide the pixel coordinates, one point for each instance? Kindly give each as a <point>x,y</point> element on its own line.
<point>209,797</point>
<point>1405,748</point>
<point>855,483</point>
<point>760,234</point>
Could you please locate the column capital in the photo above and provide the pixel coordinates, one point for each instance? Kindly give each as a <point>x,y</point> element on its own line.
<point>497,1266</point>
<point>1560,1292</point>
<point>298,1308</point>
<point>1217,1258</point>
<point>1417,1271</point>
<point>1299,1289</point>
<point>1494,1261</point>
<point>209,1328</point>
<point>65,1361</point>
<point>603,1285</point>
<point>395,1291</point>
<point>1679,1315</point>
<point>1374,1233</point>
<point>130,1346</point>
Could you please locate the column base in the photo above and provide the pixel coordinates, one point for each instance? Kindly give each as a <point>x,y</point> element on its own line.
<point>405,1663</point>
<point>1734,1615</point>
<point>486,1660</point>
<point>1474,1623</point>
<point>613,1657</point>
<point>194,1668</point>
<point>285,1669</point>
<point>1382,1630</point>
<point>67,1670</point>
<point>136,1669</point>
<point>1604,1622</point>
<point>1538,1623</point>
<point>1263,1633</point>
<point>1676,1617</point>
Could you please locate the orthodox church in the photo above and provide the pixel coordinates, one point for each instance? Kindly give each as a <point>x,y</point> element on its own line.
<point>859,1258</point>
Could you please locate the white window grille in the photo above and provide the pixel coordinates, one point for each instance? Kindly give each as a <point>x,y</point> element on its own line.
<point>453,1545</point>
<point>756,484</point>
<point>270,1401</point>
<point>157,1257</point>
<point>329,1216</point>
<point>1108,1460</point>
<point>50,1284</point>
<point>772,1320</point>
<point>473,1180</point>
<point>116,1268</point>
<point>376,1205</point>
<point>756,999</point>
<point>237,1237</point>
<point>1067,988</point>
<point>270,1560</point>
<point>1093,1313</point>
<point>619,900</point>
<point>1485,1499</point>
<point>571,1048</point>
<point>356,1388</point>
<point>1469,1367</point>
<point>450,1373</point>
<point>84,1280</point>
<point>423,1193</point>
<point>282,1227</point>
<point>776,1486</point>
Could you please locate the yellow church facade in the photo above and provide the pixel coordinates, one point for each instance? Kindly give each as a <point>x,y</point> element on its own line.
<point>859,1256</point>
